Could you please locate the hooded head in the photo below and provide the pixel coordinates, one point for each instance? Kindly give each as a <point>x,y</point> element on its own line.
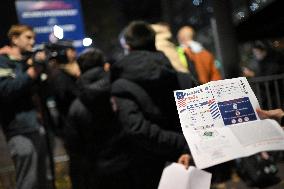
<point>91,58</point>
<point>139,35</point>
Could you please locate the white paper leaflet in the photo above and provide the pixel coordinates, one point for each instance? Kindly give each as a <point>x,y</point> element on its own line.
<point>176,176</point>
<point>220,123</point>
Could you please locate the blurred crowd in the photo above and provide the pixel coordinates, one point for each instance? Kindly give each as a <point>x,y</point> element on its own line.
<point>265,60</point>
<point>118,121</point>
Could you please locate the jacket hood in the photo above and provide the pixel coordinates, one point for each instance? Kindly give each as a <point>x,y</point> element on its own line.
<point>91,75</point>
<point>94,85</point>
<point>128,89</point>
<point>153,73</point>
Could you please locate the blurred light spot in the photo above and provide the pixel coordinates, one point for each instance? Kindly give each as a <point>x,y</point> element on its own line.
<point>87,42</point>
<point>193,20</point>
<point>241,15</point>
<point>254,6</point>
<point>276,43</point>
<point>210,9</point>
<point>197,2</point>
<point>58,32</point>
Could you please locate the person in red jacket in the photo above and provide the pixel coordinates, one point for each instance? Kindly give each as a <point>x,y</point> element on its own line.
<point>203,60</point>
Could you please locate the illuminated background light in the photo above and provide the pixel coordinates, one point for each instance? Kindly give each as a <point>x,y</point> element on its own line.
<point>87,42</point>
<point>58,32</point>
<point>197,2</point>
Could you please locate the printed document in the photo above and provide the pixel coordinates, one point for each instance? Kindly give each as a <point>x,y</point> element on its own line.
<point>176,176</point>
<point>220,123</point>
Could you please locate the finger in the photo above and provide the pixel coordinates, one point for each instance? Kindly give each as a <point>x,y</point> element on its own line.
<point>261,113</point>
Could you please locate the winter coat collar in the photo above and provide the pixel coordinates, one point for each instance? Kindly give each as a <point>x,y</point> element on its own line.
<point>93,84</point>
<point>147,68</point>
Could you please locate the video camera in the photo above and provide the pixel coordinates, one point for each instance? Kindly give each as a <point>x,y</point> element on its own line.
<point>53,51</point>
<point>58,51</point>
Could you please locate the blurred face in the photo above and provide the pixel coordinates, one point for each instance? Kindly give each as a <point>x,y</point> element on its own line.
<point>185,35</point>
<point>258,53</point>
<point>25,41</point>
<point>71,54</point>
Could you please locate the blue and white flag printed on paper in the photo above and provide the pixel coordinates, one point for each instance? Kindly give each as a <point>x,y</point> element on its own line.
<point>214,116</point>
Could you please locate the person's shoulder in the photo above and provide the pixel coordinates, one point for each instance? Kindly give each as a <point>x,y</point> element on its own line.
<point>141,59</point>
<point>77,108</point>
<point>5,69</point>
<point>4,60</point>
<point>121,86</point>
<point>4,57</point>
<point>206,52</point>
<point>129,89</point>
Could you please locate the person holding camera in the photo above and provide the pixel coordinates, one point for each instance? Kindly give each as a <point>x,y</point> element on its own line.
<point>20,114</point>
<point>63,72</point>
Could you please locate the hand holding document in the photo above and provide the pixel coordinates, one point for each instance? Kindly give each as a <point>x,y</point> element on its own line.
<point>176,176</point>
<point>220,123</point>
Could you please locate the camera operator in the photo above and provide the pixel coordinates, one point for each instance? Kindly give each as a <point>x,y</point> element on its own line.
<point>20,114</point>
<point>62,76</point>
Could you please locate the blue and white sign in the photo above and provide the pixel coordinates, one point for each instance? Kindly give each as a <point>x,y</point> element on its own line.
<point>61,18</point>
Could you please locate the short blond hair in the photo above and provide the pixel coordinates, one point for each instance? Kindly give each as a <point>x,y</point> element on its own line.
<point>17,30</point>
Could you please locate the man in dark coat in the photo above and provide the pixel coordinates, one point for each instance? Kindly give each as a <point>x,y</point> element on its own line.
<point>92,138</point>
<point>142,88</point>
<point>63,73</point>
<point>20,111</point>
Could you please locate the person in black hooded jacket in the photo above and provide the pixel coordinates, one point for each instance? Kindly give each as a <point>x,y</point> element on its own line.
<point>91,138</point>
<point>142,88</point>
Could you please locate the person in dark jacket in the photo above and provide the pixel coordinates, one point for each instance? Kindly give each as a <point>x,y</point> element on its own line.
<point>20,114</point>
<point>91,135</point>
<point>142,88</point>
<point>269,61</point>
<point>266,61</point>
<point>63,73</point>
